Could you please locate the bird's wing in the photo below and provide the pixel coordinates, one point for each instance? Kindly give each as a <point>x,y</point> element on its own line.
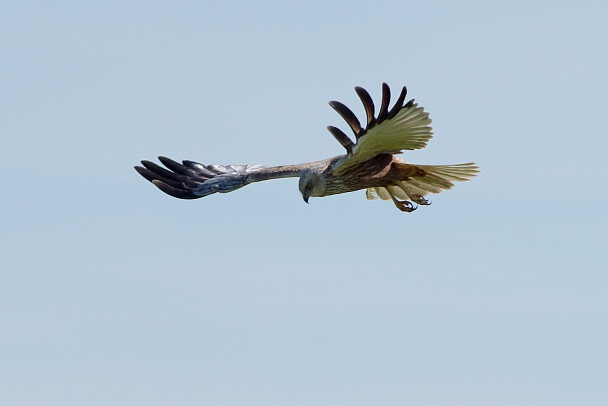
<point>191,180</point>
<point>405,126</point>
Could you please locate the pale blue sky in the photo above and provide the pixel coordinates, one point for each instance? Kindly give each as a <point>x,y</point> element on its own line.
<point>114,293</point>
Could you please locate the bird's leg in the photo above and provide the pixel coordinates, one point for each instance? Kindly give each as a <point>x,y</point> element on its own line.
<point>403,205</point>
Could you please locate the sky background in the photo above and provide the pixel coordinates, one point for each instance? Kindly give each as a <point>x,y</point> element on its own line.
<point>113,293</point>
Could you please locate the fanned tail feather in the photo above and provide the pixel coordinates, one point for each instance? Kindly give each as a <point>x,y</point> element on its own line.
<point>437,179</point>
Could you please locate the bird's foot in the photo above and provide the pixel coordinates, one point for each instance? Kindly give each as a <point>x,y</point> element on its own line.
<point>404,205</point>
<point>416,198</point>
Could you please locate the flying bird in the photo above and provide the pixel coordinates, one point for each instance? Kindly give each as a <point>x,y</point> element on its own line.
<point>370,161</point>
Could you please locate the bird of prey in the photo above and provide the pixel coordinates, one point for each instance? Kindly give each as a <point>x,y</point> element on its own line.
<point>370,161</point>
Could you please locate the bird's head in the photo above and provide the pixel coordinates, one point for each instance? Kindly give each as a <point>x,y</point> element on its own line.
<point>311,184</point>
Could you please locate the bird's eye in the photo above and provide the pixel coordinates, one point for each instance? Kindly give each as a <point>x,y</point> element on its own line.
<point>308,186</point>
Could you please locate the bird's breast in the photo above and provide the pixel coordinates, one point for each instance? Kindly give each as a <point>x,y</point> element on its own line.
<point>370,173</point>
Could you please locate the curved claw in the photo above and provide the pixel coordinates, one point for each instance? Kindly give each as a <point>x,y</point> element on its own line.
<point>405,205</point>
<point>419,199</point>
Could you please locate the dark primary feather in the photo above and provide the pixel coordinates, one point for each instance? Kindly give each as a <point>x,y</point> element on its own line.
<point>342,138</point>
<point>386,99</point>
<point>369,162</point>
<point>191,180</point>
<point>368,104</point>
<point>181,168</point>
<point>348,116</point>
<point>398,104</point>
<point>352,120</point>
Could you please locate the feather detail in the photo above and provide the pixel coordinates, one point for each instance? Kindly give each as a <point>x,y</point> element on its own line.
<point>398,104</point>
<point>348,116</point>
<point>342,138</point>
<point>437,178</point>
<point>404,127</point>
<point>386,99</point>
<point>369,163</point>
<point>191,180</point>
<point>368,104</point>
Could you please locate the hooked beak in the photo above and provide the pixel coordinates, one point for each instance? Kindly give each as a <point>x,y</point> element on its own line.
<point>305,196</point>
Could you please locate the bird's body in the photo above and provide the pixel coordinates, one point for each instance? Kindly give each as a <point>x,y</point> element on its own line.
<point>369,164</point>
<point>379,171</point>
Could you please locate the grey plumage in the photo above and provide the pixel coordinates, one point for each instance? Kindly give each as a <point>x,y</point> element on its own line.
<point>369,163</point>
<point>191,180</point>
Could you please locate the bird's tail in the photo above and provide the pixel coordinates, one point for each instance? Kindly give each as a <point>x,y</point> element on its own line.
<point>436,179</point>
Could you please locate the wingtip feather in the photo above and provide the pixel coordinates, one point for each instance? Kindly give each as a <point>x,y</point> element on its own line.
<point>172,191</point>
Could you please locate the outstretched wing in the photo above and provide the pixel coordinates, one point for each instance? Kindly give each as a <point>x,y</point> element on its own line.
<point>405,126</point>
<point>191,180</point>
